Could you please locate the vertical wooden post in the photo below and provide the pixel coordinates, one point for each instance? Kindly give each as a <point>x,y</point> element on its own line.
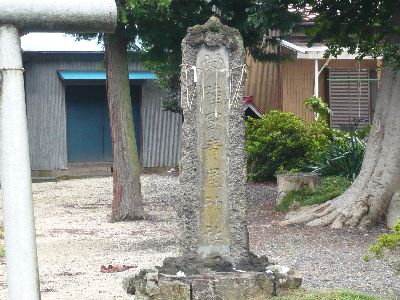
<point>316,75</point>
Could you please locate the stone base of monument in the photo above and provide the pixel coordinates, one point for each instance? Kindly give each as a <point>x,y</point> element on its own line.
<point>237,285</point>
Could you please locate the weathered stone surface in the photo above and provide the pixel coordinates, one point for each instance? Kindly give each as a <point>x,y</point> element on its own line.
<point>286,278</point>
<point>295,181</point>
<point>212,178</point>
<point>215,252</point>
<point>227,286</point>
<point>148,285</point>
<point>393,214</point>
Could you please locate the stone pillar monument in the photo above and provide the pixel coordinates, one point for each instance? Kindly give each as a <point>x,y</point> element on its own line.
<point>215,261</point>
<point>212,178</point>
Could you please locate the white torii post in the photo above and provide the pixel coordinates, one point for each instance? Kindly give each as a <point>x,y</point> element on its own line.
<point>17,16</point>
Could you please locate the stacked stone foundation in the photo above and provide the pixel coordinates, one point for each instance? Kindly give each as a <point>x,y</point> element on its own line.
<point>152,285</point>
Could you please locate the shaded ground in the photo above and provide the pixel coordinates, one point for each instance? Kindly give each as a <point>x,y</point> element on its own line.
<point>75,239</point>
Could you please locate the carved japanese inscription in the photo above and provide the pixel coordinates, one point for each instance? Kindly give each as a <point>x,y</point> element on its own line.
<point>212,91</point>
<point>212,165</point>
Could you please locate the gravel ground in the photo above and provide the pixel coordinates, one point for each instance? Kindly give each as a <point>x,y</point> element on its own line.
<point>75,239</point>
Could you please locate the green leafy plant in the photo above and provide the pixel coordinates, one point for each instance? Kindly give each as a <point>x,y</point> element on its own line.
<point>386,241</point>
<point>282,141</point>
<point>318,106</point>
<point>321,136</point>
<point>344,157</point>
<point>329,188</point>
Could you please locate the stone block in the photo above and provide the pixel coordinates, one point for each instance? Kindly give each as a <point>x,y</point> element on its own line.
<point>295,181</point>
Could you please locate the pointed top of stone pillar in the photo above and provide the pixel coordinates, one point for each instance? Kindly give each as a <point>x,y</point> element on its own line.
<point>214,34</point>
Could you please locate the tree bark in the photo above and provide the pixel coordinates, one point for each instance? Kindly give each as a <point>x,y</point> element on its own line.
<point>365,203</point>
<point>127,198</point>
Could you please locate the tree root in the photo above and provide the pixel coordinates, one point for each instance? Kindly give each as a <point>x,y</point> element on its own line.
<point>330,213</point>
<point>308,214</point>
<point>352,216</point>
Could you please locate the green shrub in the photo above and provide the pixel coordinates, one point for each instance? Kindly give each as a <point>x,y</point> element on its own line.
<point>282,141</point>
<point>320,136</point>
<point>329,188</point>
<point>343,157</point>
<point>386,241</point>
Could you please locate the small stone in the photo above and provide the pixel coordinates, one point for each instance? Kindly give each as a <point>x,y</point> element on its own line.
<point>295,181</point>
<point>152,283</point>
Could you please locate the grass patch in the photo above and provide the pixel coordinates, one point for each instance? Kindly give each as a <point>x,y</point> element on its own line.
<point>331,295</point>
<point>329,188</point>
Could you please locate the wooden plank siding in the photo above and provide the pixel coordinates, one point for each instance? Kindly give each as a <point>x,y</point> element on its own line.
<point>263,84</point>
<point>296,83</point>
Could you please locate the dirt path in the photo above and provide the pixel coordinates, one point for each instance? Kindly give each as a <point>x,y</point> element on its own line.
<point>75,239</point>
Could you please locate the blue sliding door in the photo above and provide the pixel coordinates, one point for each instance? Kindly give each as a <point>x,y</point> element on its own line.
<point>88,125</point>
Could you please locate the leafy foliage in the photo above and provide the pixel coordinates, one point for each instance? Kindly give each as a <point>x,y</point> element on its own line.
<point>329,188</point>
<point>281,141</point>
<point>386,241</point>
<point>317,105</point>
<point>363,27</point>
<point>344,157</point>
<point>161,28</point>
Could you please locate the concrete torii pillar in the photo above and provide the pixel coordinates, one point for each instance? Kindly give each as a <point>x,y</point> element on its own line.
<point>16,17</point>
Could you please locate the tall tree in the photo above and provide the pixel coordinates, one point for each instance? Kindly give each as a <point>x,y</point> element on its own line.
<point>127,201</point>
<point>127,197</point>
<point>364,27</point>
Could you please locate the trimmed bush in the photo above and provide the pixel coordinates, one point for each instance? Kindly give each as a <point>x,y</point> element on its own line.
<point>282,141</point>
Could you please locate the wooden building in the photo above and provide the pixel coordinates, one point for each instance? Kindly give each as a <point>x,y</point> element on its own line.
<point>349,86</point>
<point>68,113</point>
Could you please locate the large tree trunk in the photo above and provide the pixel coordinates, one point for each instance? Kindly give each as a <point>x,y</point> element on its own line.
<point>366,202</point>
<point>127,201</point>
